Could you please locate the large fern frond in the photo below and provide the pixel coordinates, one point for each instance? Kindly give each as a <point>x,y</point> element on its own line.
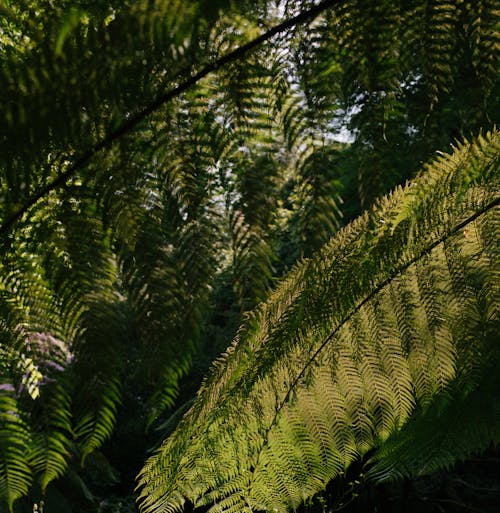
<point>357,343</point>
<point>128,171</point>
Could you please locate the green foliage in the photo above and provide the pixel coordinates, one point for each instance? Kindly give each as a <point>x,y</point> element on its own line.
<point>382,336</point>
<point>51,444</point>
<point>15,474</point>
<point>145,169</point>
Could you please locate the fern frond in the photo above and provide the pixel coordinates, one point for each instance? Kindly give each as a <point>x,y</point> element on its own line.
<point>95,427</point>
<point>484,35</point>
<point>51,444</point>
<point>318,198</point>
<point>15,473</point>
<point>347,352</point>
<point>256,184</point>
<point>437,438</point>
<point>138,127</point>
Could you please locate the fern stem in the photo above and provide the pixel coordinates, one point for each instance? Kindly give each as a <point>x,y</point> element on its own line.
<point>126,126</point>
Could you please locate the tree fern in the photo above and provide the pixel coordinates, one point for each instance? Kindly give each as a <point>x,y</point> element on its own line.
<point>357,345</point>
<point>139,145</point>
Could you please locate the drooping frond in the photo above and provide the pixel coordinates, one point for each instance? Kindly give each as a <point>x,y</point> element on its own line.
<point>393,317</point>
<point>149,147</point>
<point>51,444</point>
<point>15,473</point>
<point>251,217</point>
<point>318,197</point>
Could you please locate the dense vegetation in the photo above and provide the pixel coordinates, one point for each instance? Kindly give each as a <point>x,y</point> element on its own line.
<point>171,170</point>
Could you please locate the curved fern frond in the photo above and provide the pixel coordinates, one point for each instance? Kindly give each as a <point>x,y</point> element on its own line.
<point>139,128</point>
<point>96,424</point>
<point>357,344</point>
<point>252,214</point>
<point>15,473</point>
<point>51,444</point>
<point>437,438</point>
<point>319,198</point>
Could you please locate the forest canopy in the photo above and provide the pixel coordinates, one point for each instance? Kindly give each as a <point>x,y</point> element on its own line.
<point>303,192</point>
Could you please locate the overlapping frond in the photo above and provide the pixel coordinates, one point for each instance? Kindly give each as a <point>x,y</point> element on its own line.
<point>106,280</point>
<point>392,317</point>
<point>66,273</point>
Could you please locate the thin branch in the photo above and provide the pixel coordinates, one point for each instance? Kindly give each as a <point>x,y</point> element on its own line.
<point>129,124</point>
